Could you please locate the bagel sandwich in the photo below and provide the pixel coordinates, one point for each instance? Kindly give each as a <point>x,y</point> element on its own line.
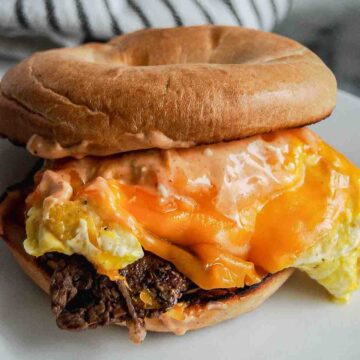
<point>180,185</point>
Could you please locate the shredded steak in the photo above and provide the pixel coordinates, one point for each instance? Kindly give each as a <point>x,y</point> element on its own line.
<point>83,299</point>
<point>159,278</point>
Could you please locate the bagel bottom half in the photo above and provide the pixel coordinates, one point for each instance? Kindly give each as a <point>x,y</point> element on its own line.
<point>193,316</point>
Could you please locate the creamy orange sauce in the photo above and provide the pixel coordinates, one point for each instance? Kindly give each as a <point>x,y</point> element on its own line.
<point>223,214</point>
<point>50,149</point>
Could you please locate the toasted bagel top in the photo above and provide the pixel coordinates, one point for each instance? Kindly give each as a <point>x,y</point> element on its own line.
<point>163,88</point>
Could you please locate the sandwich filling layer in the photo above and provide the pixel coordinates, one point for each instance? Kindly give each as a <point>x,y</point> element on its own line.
<point>224,215</point>
<point>83,299</point>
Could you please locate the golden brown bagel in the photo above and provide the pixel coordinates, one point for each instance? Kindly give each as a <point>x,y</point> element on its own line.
<point>194,316</point>
<point>163,88</point>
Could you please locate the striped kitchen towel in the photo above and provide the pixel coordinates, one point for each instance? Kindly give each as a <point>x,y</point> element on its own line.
<point>31,25</point>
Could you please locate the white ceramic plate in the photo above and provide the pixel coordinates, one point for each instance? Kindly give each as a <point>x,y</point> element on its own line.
<point>298,322</point>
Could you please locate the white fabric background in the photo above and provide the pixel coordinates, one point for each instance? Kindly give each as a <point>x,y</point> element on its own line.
<point>30,25</point>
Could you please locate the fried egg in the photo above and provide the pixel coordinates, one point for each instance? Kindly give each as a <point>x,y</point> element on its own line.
<point>72,227</point>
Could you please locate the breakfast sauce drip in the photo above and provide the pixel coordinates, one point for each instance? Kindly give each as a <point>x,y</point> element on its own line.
<point>225,214</point>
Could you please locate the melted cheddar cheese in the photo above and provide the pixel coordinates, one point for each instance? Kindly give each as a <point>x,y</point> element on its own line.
<point>224,215</point>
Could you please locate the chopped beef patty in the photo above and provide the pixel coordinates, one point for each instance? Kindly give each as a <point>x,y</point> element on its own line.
<point>81,298</point>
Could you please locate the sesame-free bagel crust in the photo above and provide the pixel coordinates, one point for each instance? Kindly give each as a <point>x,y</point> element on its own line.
<point>165,88</point>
